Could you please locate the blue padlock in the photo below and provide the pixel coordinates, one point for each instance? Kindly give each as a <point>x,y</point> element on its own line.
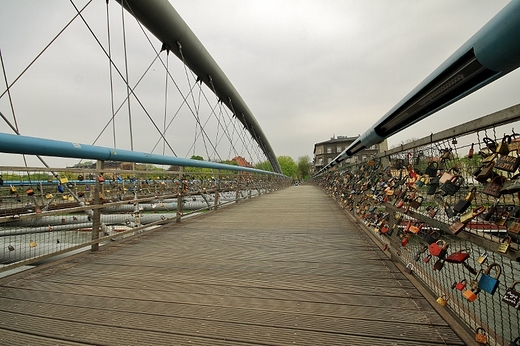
<point>488,283</point>
<point>61,189</point>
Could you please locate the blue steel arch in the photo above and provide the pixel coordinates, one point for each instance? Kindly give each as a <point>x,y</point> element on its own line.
<point>163,21</point>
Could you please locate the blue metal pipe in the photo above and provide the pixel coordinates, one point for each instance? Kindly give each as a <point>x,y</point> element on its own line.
<point>488,55</point>
<point>15,144</point>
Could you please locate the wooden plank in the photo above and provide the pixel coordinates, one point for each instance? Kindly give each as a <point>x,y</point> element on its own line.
<point>285,268</point>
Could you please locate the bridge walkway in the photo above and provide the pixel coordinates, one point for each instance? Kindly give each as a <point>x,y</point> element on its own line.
<point>287,268</point>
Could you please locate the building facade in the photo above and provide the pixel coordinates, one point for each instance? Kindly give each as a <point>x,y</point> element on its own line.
<point>325,152</point>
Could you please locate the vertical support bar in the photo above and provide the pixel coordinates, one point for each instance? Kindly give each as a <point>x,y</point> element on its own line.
<point>249,183</point>
<point>217,190</point>
<point>237,188</point>
<point>96,218</point>
<point>180,197</point>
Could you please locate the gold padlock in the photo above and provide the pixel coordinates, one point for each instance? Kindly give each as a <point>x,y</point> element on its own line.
<point>442,300</point>
<point>482,258</point>
<point>503,147</point>
<point>504,244</point>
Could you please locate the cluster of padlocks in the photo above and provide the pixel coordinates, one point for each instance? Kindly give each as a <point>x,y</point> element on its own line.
<point>439,209</point>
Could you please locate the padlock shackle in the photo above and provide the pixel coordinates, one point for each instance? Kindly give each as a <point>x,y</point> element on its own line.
<point>514,284</point>
<point>480,329</point>
<point>499,269</point>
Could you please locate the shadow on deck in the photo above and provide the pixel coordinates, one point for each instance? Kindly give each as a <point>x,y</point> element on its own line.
<point>288,268</point>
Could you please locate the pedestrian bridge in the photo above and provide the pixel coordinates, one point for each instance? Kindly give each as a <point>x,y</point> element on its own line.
<point>287,268</point>
<point>263,262</point>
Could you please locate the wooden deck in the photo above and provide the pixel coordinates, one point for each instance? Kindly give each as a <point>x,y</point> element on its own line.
<point>288,268</point>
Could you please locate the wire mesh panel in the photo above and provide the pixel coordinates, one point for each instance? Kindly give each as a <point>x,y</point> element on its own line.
<point>46,212</point>
<point>449,210</point>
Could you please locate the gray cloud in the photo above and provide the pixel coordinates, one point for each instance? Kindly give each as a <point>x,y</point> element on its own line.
<point>307,69</point>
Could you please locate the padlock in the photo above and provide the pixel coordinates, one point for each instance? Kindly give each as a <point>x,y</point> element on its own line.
<point>438,265</point>
<point>442,300</point>
<point>417,256</point>
<point>408,269</point>
<point>415,229</point>
<point>482,258</point>
<point>502,218</point>
<point>11,248</point>
<point>512,296</point>
<point>32,244</point>
<point>439,248</point>
<point>488,283</point>
<point>463,204</point>
<point>480,335</point>
<point>461,285</point>
<point>504,244</point>
<point>471,294</point>
<point>427,258</point>
<point>503,147</point>
<point>474,282</point>
<point>515,342</point>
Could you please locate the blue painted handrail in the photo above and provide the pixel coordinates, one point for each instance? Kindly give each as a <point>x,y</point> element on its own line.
<point>15,144</point>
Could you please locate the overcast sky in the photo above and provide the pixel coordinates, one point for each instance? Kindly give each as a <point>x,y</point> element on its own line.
<point>308,70</point>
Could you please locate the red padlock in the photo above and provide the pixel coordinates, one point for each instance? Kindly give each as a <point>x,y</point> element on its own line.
<point>461,285</point>
<point>404,241</point>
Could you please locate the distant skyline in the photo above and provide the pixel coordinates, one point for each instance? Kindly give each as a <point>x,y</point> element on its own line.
<point>308,70</point>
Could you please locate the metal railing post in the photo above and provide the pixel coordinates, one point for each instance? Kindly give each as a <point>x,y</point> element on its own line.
<point>237,188</point>
<point>217,189</point>
<point>96,216</point>
<point>179,198</point>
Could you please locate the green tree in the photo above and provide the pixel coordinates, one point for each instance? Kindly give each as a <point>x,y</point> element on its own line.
<point>288,166</point>
<point>304,166</point>
<point>264,166</point>
<point>197,157</point>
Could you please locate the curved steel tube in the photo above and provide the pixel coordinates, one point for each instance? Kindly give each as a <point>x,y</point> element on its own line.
<point>161,19</point>
<point>488,55</point>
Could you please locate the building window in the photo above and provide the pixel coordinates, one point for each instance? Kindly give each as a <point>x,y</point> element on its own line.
<point>329,159</point>
<point>320,161</point>
<point>318,151</point>
<point>329,150</point>
<point>338,149</point>
<point>364,158</point>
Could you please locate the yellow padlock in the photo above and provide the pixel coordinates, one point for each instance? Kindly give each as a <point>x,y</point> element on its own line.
<point>504,244</point>
<point>32,243</point>
<point>442,300</point>
<point>482,258</point>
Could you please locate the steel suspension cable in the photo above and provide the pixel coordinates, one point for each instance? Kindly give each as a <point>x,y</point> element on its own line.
<point>195,114</point>
<point>12,106</point>
<point>122,77</point>
<point>111,76</point>
<point>45,48</point>
<point>127,80</point>
<point>124,101</point>
<point>166,96</point>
